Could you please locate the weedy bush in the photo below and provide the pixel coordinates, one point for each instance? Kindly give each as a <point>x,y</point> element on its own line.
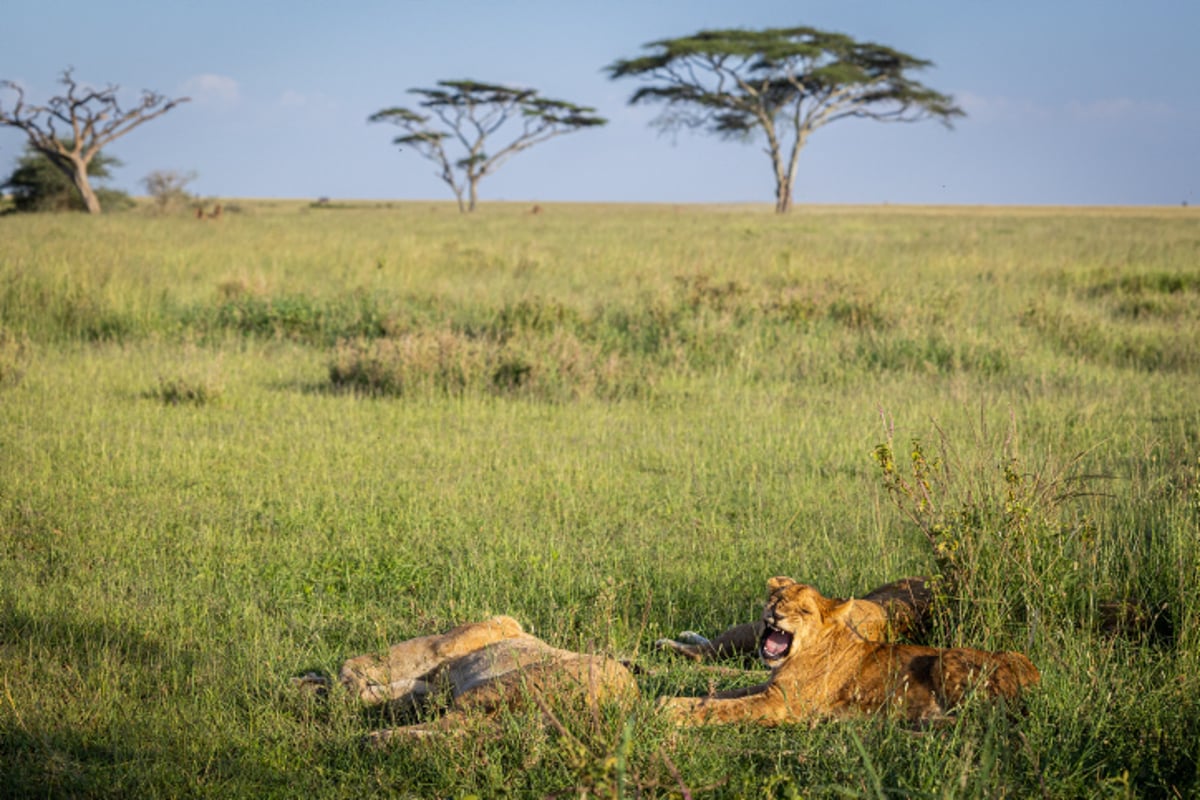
<point>1011,550</point>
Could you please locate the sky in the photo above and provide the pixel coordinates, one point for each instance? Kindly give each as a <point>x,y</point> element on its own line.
<point>1068,102</point>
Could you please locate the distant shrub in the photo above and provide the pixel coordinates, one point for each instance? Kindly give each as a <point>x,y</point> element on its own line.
<point>437,362</point>
<point>196,387</point>
<point>166,189</point>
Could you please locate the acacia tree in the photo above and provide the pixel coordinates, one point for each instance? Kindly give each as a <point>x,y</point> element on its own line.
<point>784,83</point>
<point>463,115</point>
<point>72,127</point>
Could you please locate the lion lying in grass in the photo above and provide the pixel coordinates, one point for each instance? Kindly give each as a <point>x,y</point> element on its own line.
<point>822,668</point>
<point>483,667</point>
<point>894,610</point>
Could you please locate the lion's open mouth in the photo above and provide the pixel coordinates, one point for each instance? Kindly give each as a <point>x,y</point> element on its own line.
<point>775,644</point>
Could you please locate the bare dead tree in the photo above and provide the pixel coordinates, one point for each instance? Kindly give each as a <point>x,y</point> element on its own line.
<point>71,127</point>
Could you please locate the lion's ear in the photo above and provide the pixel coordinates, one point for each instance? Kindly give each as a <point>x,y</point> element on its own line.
<point>839,612</point>
<point>779,582</point>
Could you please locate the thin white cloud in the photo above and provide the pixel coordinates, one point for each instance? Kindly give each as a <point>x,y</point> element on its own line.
<point>1000,107</point>
<point>1019,109</point>
<point>213,89</point>
<point>1116,108</point>
<point>293,99</point>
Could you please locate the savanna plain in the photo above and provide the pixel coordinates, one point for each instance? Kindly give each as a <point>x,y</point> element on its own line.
<point>233,451</point>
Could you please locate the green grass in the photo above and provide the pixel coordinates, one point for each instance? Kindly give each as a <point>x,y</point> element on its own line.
<point>234,451</point>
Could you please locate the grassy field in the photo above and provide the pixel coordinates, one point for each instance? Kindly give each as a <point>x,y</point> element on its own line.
<point>233,451</point>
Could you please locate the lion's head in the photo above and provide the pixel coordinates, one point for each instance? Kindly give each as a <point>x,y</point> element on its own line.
<point>795,615</point>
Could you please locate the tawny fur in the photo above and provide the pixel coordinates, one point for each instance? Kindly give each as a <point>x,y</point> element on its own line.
<point>830,671</point>
<point>484,666</point>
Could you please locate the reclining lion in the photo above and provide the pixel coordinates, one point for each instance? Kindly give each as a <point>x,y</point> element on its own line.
<point>483,666</point>
<point>894,610</point>
<point>821,668</point>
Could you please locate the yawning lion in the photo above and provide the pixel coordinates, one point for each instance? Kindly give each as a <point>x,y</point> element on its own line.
<point>821,668</point>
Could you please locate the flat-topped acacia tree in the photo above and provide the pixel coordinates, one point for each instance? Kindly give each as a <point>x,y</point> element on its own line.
<point>463,115</point>
<point>784,83</point>
<point>70,128</point>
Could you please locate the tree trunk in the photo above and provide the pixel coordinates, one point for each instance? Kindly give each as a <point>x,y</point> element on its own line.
<point>473,190</point>
<point>784,173</point>
<point>79,177</point>
<point>783,196</point>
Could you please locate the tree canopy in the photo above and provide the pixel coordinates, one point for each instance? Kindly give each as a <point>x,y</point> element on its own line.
<point>71,127</point>
<point>461,116</point>
<point>784,83</point>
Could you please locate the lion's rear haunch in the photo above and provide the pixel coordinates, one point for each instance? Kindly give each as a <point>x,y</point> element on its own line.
<point>955,674</point>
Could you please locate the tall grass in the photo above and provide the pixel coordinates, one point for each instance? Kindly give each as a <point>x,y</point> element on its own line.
<point>243,449</point>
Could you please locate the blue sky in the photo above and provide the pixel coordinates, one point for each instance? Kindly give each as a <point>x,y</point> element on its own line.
<point>1079,103</point>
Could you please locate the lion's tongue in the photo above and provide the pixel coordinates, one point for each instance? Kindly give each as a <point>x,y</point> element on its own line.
<point>775,644</point>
